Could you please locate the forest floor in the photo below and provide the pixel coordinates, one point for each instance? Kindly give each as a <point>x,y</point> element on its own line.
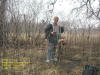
<point>72,65</point>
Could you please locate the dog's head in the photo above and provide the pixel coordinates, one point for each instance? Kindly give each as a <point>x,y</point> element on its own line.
<point>62,41</point>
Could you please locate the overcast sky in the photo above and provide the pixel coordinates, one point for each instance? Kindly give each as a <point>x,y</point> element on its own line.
<point>62,8</point>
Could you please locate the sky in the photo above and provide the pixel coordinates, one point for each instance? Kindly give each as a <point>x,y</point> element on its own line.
<point>62,8</point>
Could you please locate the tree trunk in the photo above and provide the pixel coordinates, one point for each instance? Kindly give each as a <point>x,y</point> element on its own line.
<point>2,21</point>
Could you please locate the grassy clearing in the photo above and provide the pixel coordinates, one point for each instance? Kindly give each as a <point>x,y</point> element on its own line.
<point>79,52</point>
<point>68,66</point>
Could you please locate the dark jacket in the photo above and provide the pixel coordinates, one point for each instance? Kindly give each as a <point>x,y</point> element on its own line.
<point>50,37</point>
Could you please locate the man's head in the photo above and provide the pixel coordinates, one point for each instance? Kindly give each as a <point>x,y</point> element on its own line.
<point>56,19</point>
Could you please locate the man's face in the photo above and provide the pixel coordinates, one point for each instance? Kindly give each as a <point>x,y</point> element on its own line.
<point>56,20</point>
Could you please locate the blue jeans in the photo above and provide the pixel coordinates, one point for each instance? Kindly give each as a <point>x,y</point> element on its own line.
<point>51,52</point>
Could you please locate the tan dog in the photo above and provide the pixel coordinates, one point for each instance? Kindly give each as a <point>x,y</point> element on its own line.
<point>61,49</point>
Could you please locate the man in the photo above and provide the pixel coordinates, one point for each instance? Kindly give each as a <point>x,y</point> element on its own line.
<point>52,34</point>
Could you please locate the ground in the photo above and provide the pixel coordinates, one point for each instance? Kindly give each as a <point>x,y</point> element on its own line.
<point>68,66</point>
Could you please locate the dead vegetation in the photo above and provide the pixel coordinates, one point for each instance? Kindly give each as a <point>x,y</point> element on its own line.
<point>77,55</point>
<point>22,37</point>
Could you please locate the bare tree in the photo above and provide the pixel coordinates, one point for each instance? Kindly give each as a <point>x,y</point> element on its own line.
<point>2,20</point>
<point>89,8</point>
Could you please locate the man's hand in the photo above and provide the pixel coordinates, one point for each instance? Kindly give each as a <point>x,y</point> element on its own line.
<point>52,33</point>
<point>46,40</point>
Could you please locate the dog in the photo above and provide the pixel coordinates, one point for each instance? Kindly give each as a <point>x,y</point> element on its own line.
<point>61,49</point>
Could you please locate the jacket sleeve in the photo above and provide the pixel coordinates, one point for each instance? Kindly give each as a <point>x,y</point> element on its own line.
<point>47,30</point>
<point>61,29</point>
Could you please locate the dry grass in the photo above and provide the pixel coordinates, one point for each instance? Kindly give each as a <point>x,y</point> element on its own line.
<point>78,53</point>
